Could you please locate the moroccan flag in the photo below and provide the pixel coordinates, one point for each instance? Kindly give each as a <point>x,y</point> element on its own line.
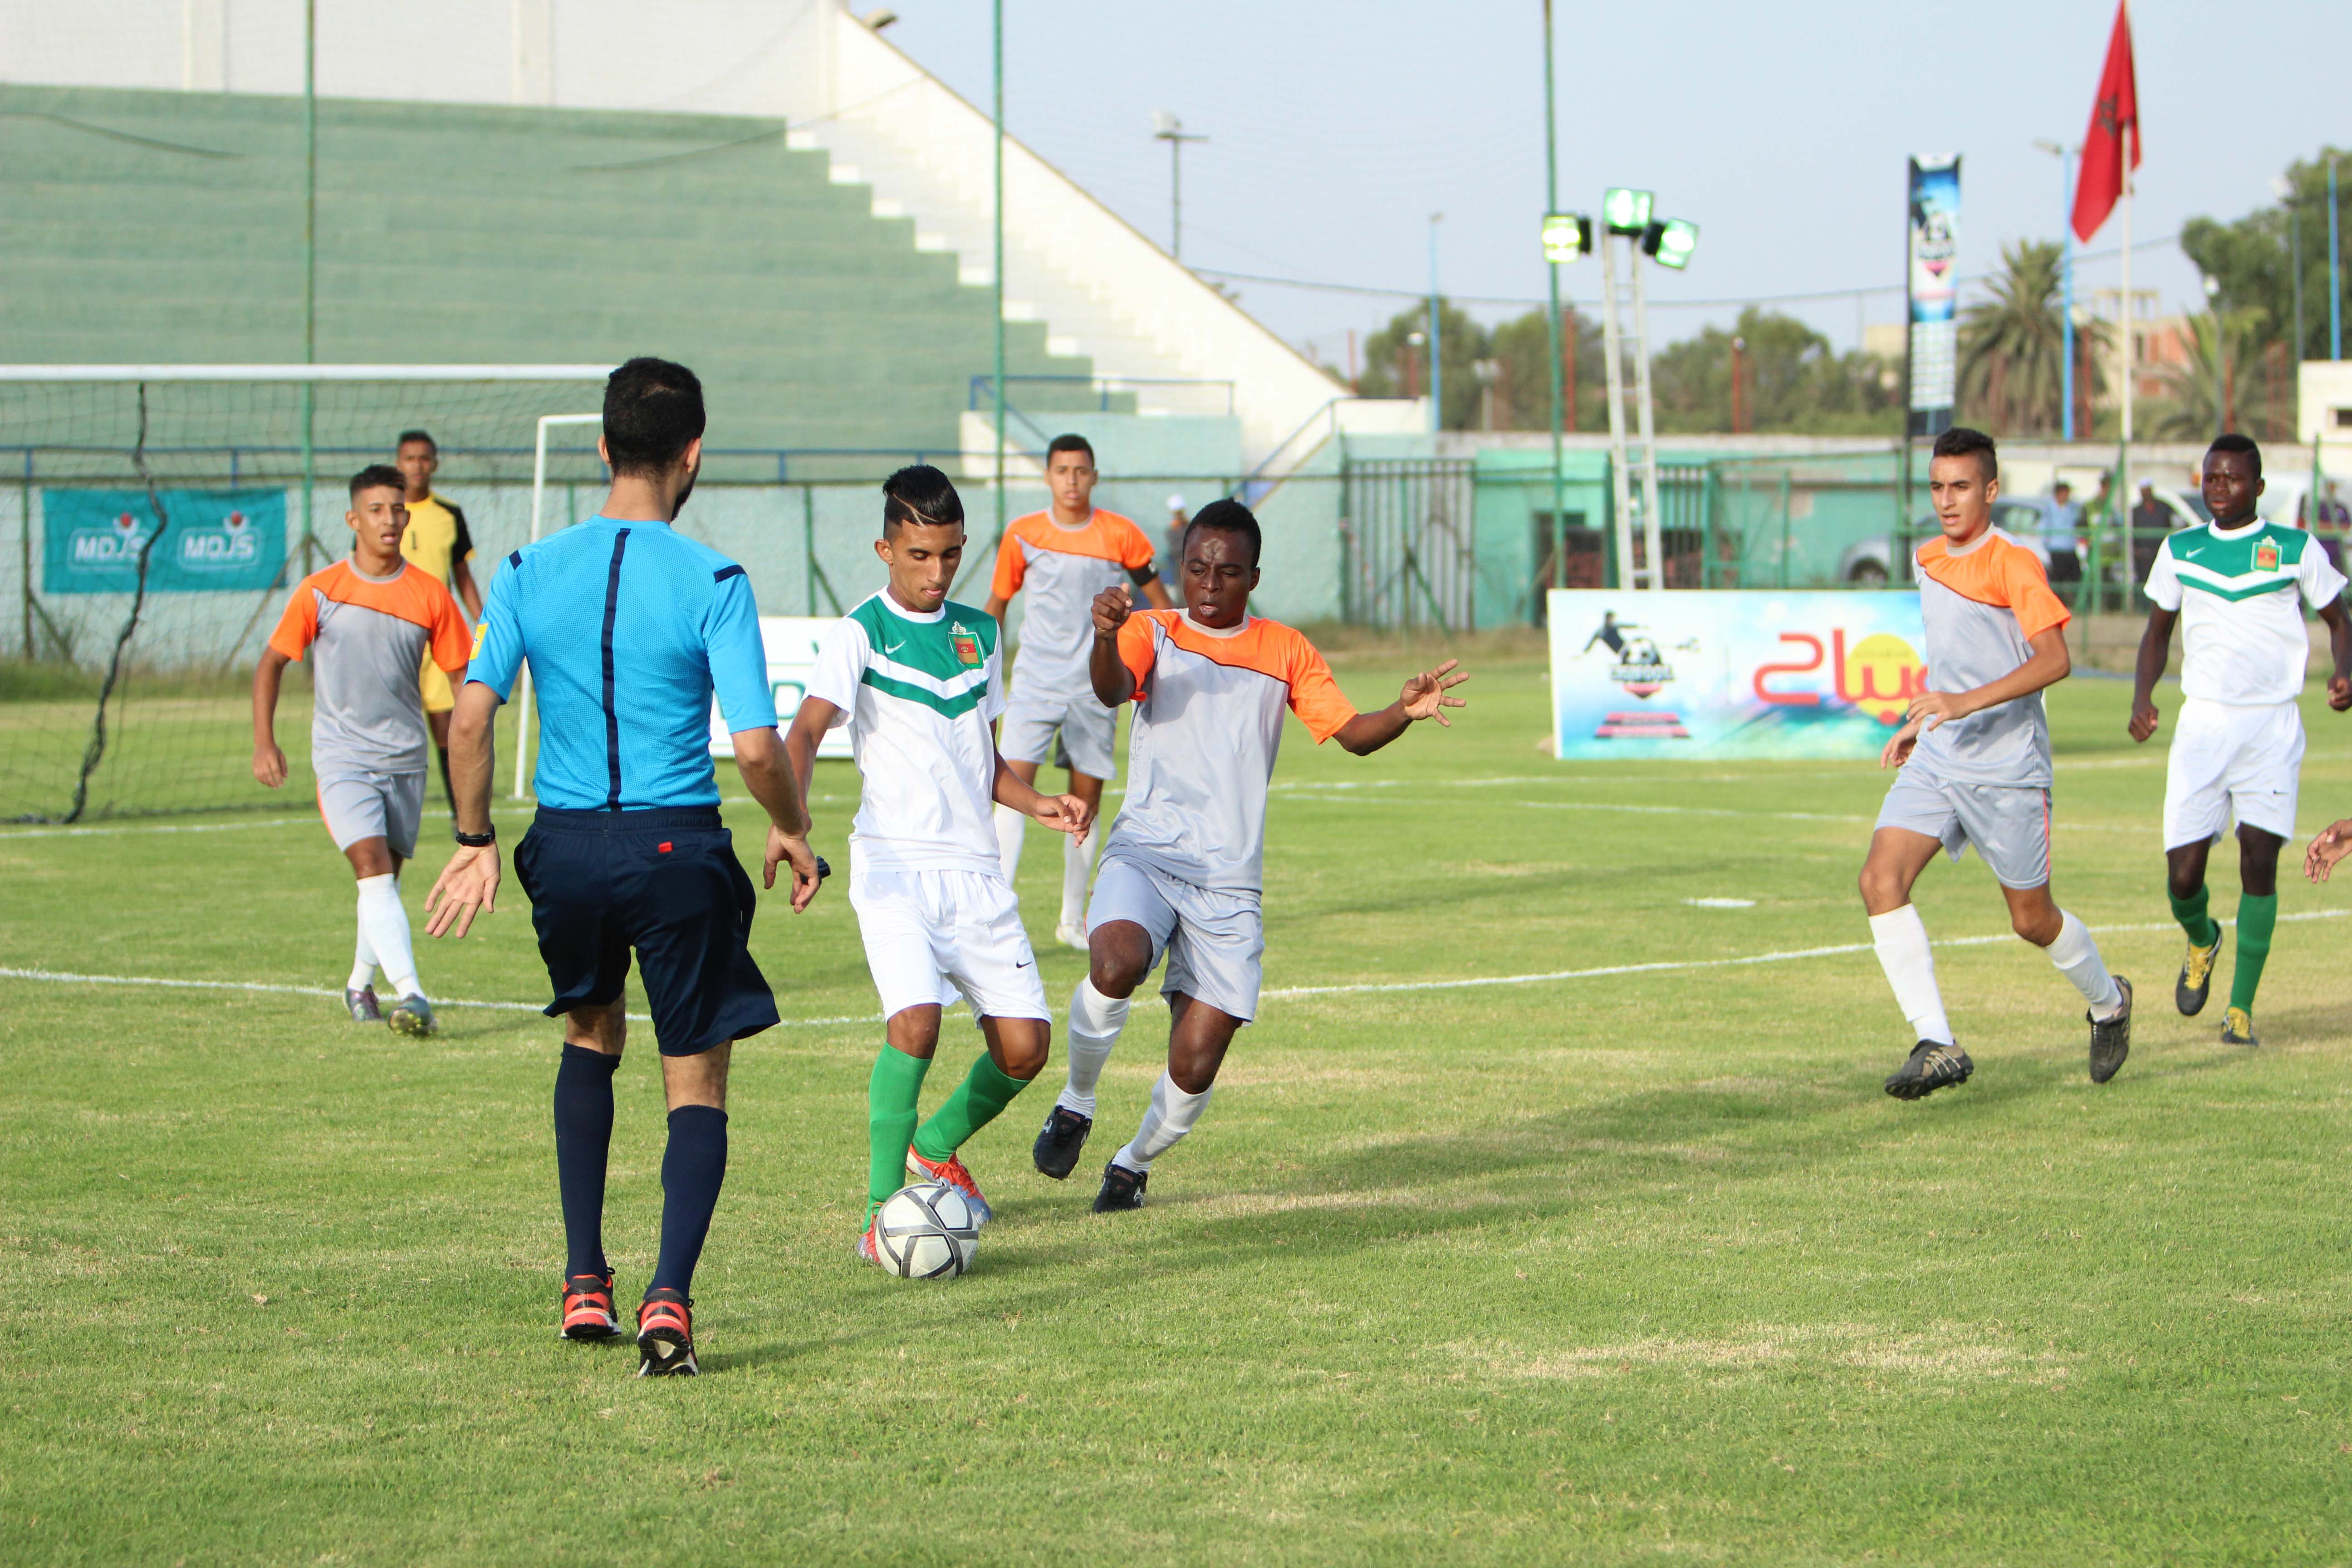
<point>2114,115</point>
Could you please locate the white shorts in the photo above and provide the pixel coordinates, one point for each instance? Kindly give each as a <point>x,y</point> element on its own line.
<point>373,806</point>
<point>2007,824</point>
<point>1087,729</point>
<point>2228,760</point>
<point>1214,941</point>
<point>931,936</point>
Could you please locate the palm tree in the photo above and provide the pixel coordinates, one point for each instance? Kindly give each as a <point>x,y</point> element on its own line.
<point>2012,346</point>
<point>2187,411</point>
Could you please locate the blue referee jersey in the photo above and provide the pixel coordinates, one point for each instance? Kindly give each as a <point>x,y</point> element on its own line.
<point>629,628</point>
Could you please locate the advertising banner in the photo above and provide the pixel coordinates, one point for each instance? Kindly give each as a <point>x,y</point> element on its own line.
<point>212,542</point>
<point>1726,674</point>
<point>791,642</point>
<point>1933,283</point>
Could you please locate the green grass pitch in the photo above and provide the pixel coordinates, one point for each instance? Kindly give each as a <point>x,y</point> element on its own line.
<point>1629,1266</point>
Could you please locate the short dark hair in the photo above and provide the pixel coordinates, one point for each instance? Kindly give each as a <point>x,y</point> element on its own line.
<point>2234,442</point>
<point>920,493</point>
<point>653,412</point>
<point>1070,443</point>
<point>424,435</point>
<point>378,477</point>
<point>1233,518</point>
<point>1960,441</point>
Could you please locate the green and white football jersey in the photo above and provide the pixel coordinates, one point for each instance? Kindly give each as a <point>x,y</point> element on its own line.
<point>919,694</point>
<point>2236,590</point>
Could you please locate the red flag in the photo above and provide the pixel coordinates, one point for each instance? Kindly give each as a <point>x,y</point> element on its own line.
<point>2116,112</point>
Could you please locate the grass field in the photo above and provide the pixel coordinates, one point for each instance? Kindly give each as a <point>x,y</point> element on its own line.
<point>1615,1267</point>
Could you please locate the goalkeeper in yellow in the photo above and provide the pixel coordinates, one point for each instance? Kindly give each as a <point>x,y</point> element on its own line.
<point>437,544</point>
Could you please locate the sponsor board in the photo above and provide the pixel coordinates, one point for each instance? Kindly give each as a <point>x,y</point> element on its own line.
<point>1732,674</point>
<point>791,643</point>
<point>203,542</point>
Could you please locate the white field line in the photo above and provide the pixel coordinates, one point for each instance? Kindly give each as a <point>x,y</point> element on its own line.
<point>60,977</point>
<point>1704,811</point>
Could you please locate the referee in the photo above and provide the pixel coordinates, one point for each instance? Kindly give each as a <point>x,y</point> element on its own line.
<point>629,629</point>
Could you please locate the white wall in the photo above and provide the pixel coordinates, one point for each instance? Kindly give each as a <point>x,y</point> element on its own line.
<point>2324,402</point>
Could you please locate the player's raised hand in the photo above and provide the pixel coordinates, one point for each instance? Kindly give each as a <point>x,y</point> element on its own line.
<point>269,764</point>
<point>2334,842</point>
<point>2144,720</point>
<point>468,884</point>
<point>783,848</point>
<point>2340,693</point>
<point>1112,607</point>
<point>1425,696</point>
<point>1897,751</point>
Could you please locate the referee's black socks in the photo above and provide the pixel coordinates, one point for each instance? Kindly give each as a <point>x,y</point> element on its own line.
<point>583,1138</point>
<point>692,1168</point>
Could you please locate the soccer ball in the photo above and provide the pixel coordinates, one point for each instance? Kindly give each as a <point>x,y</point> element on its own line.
<point>927,1232</point>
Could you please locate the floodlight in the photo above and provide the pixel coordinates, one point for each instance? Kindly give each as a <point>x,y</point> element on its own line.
<point>1567,237</point>
<point>1624,211</point>
<point>1671,241</point>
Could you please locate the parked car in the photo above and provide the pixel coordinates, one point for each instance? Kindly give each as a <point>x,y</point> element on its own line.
<point>1869,562</point>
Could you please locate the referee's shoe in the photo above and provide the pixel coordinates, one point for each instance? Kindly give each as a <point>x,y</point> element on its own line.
<point>666,1335</point>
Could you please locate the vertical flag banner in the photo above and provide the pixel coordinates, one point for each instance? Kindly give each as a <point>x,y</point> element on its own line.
<point>2114,112</point>
<point>1933,283</point>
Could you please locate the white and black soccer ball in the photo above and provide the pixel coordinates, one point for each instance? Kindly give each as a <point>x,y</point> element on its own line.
<point>927,1231</point>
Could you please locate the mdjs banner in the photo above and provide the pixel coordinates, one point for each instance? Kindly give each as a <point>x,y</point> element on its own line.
<point>210,541</point>
<point>1728,674</point>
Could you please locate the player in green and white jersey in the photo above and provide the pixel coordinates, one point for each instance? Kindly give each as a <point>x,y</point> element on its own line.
<point>2238,584</point>
<point>919,682</point>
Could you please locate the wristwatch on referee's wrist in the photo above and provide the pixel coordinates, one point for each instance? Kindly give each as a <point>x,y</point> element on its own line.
<point>477,840</point>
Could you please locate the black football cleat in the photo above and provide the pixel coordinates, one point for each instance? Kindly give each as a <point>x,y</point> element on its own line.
<point>1121,1189</point>
<point>2111,1041</point>
<point>2196,982</point>
<point>1932,1065</point>
<point>1059,1145</point>
<point>666,1335</point>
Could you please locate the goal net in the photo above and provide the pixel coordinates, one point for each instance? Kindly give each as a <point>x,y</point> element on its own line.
<point>154,520</point>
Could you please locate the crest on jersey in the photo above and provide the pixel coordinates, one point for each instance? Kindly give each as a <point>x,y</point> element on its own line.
<point>2266,555</point>
<point>966,645</point>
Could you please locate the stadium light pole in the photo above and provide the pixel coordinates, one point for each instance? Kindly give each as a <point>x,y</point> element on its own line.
<point>1436,347</point>
<point>997,271</point>
<point>1551,319</point>
<point>2065,156</point>
<point>2335,277</point>
<point>309,262</point>
<point>1166,127</point>
<point>2213,303</point>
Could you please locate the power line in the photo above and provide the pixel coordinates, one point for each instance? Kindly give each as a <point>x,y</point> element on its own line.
<point>1811,296</point>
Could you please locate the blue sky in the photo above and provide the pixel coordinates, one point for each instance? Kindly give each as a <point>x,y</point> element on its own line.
<point>1782,131</point>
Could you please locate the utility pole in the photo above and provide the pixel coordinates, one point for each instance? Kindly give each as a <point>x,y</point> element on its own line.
<point>1551,319</point>
<point>1436,347</point>
<point>2220,394</point>
<point>2066,155</point>
<point>1738,371</point>
<point>997,46</point>
<point>1166,127</point>
<point>2335,277</point>
<point>310,263</point>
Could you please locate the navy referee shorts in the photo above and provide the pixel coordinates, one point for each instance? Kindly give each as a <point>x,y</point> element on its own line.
<point>665,882</point>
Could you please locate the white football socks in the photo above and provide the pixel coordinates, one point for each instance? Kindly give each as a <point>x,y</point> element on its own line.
<point>1077,864</point>
<point>363,950</point>
<point>2077,958</point>
<point>1096,1021</point>
<point>1009,826</point>
<point>1901,938</point>
<point>383,922</point>
<point>1168,1118</point>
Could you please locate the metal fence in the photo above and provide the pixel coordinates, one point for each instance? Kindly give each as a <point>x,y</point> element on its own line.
<point>1408,543</point>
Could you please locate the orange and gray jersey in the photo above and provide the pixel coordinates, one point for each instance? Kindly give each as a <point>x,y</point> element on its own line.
<point>1208,723</point>
<point>372,635</point>
<point>1063,569</point>
<point>1983,604</point>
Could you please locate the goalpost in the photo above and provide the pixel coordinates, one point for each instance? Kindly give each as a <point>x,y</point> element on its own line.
<point>153,519</point>
<point>538,505</point>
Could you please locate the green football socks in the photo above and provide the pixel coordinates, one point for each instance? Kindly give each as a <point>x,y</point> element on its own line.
<point>985,1091</point>
<point>2190,912</point>
<point>890,1097</point>
<point>2256,917</point>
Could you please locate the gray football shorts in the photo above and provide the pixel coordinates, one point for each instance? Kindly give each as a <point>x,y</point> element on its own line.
<point>2009,825</point>
<point>359,805</point>
<point>1214,941</point>
<point>1085,725</point>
